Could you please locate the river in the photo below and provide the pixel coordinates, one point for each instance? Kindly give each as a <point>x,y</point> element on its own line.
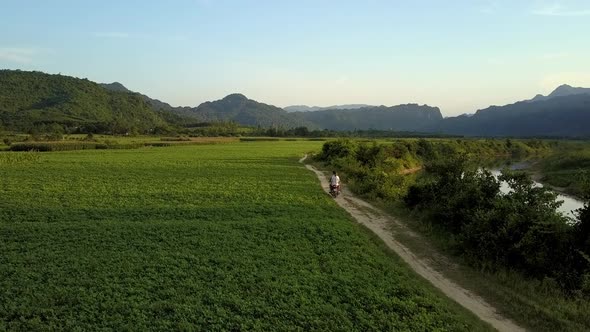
<point>569,206</point>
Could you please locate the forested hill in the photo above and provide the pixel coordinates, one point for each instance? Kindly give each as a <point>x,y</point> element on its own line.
<point>564,116</point>
<point>157,105</point>
<point>410,117</point>
<point>237,108</point>
<point>234,107</point>
<point>35,101</point>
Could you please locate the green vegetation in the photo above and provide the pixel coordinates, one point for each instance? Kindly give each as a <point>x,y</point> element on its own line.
<point>120,143</point>
<point>35,102</point>
<point>381,170</point>
<point>539,305</point>
<point>234,236</point>
<point>567,170</point>
<point>520,230</point>
<point>537,262</point>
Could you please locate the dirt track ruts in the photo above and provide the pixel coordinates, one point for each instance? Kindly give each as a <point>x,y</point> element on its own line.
<point>380,224</point>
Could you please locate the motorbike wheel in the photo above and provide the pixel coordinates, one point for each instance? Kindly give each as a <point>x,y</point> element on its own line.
<point>334,193</point>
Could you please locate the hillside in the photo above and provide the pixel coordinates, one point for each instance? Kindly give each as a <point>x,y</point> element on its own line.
<point>410,117</point>
<point>157,105</point>
<point>234,107</point>
<point>237,108</point>
<point>35,101</point>
<point>560,116</point>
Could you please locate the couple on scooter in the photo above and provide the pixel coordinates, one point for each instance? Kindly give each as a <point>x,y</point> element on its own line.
<point>334,184</point>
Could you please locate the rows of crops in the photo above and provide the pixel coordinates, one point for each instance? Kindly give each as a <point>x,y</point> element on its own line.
<point>233,236</point>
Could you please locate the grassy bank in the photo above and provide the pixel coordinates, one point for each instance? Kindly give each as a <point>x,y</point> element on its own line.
<point>568,169</point>
<point>539,305</point>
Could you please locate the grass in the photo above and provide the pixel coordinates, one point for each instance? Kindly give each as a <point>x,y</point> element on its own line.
<point>71,144</point>
<point>234,236</point>
<point>536,304</point>
<point>568,170</point>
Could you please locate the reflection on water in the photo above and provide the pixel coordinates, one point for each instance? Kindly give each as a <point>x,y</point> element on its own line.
<point>569,205</point>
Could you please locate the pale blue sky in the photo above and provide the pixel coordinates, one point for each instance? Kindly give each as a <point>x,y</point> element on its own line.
<point>459,55</point>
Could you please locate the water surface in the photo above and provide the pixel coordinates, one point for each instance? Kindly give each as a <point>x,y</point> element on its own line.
<point>569,206</point>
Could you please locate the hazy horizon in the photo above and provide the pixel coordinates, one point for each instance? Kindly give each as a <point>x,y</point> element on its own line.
<point>459,56</point>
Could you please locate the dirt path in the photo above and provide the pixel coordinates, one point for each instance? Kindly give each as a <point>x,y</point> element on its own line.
<point>385,227</point>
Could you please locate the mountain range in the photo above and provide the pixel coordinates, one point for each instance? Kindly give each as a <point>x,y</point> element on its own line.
<point>409,117</point>
<point>34,100</point>
<point>566,115</point>
<point>305,108</point>
<point>565,112</point>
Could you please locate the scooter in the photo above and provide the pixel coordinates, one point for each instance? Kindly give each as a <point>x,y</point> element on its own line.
<point>334,191</point>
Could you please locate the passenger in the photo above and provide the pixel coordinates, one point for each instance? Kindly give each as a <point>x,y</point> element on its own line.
<point>335,183</point>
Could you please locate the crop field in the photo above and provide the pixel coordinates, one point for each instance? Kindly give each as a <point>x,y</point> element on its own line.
<point>235,236</point>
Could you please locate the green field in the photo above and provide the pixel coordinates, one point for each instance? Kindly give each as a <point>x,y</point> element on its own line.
<point>234,236</point>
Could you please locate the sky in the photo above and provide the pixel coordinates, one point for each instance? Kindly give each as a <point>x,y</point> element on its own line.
<point>458,55</point>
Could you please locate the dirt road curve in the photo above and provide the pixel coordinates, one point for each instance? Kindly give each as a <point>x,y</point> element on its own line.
<point>381,225</point>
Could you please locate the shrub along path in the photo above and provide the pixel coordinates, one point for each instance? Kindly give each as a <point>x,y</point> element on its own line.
<point>382,225</point>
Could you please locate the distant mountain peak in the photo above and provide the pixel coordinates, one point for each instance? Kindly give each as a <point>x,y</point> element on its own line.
<point>561,91</point>
<point>238,97</point>
<point>566,89</point>
<point>115,86</point>
<point>118,84</point>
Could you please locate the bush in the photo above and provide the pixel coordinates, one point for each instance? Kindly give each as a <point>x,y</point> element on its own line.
<point>341,148</point>
<point>520,230</point>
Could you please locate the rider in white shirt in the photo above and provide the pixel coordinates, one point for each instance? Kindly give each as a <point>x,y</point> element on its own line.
<point>335,181</point>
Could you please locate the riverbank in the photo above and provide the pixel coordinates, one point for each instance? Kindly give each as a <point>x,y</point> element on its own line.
<point>538,305</point>
<point>568,180</point>
<point>565,182</point>
<point>567,170</point>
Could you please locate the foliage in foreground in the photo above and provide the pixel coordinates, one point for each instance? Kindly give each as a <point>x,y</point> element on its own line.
<point>520,230</point>
<point>568,169</point>
<point>522,255</point>
<point>381,170</point>
<point>235,236</point>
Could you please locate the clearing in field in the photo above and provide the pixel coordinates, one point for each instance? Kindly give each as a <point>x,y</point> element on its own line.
<point>210,237</point>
